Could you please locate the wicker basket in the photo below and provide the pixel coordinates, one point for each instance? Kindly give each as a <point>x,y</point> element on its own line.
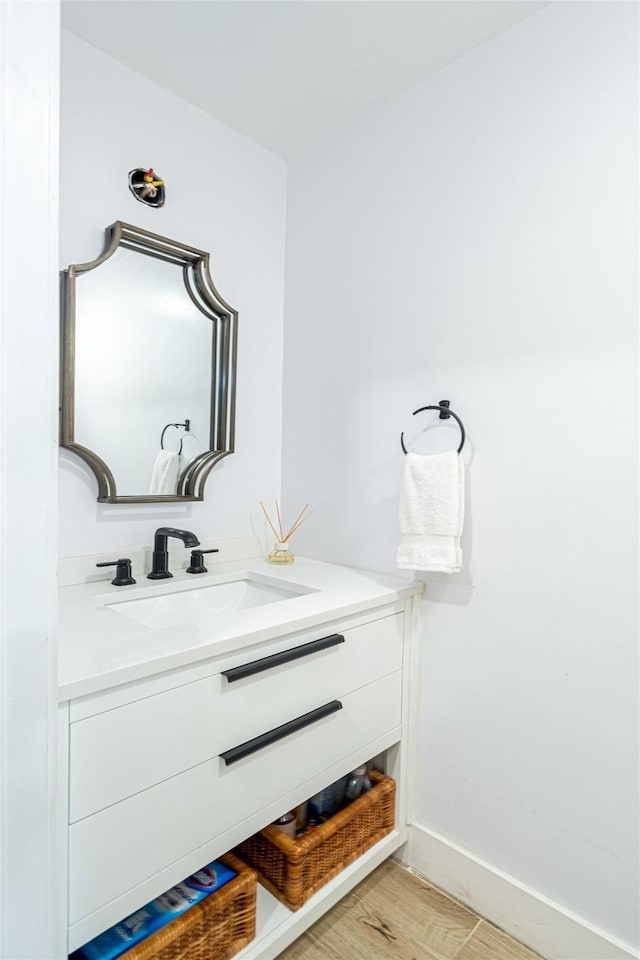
<point>219,926</point>
<point>292,870</point>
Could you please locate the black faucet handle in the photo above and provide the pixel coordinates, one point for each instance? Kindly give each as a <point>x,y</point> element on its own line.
<point>123,571</point>
<point>197,563</point>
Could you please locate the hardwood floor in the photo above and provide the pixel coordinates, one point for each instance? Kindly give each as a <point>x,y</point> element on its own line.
<point>394,915</point>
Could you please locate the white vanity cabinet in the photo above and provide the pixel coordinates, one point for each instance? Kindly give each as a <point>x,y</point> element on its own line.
<point>165,773</point>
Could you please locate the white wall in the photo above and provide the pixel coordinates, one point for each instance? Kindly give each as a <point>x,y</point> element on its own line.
<point>226,195</point>
<point>29,831</point>
<point>475,239</point>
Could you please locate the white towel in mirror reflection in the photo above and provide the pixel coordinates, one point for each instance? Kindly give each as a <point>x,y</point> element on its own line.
<point>164,476</point>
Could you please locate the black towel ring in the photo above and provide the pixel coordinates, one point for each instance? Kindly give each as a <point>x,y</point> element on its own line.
<point>445,413</point>
<point>187,427</point>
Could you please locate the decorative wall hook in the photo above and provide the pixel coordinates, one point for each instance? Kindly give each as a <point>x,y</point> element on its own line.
<point>146,186</point>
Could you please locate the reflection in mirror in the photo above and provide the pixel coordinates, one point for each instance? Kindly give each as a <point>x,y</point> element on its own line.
<point>147,342</point>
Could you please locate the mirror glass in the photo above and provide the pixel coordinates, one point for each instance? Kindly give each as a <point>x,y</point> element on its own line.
<point>148,344</point>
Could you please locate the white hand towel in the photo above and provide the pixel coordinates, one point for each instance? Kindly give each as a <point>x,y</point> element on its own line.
<point>164,477</point>
<point>431,513</point>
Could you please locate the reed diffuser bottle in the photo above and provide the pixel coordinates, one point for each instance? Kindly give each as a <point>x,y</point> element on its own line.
<point>281,552</point>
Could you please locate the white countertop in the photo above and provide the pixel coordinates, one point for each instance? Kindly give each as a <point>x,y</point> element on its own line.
<point>99,648</point>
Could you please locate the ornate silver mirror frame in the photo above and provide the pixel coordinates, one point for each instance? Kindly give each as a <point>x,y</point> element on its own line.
<point>203,294</point>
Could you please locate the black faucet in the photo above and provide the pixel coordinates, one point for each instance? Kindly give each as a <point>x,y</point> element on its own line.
<point>160,565</point>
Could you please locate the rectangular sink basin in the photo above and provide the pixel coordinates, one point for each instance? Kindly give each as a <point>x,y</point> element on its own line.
<point>183,604</point>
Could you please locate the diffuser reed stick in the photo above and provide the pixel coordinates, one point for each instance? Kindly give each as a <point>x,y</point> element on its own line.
<point>297,522</point>
<point>268,519</point>
<point>279,521</point>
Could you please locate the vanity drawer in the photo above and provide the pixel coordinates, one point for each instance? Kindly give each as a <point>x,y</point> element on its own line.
<point>116,754</point>
<point>128,843</point>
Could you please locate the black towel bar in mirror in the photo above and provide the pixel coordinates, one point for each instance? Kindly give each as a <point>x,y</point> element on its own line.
<point>187,427</point>
<point>445,413</point>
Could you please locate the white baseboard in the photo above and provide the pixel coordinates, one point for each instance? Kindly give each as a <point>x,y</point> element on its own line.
<point>541,924</point>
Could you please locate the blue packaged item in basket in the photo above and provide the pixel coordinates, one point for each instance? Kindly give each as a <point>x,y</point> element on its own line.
<point>157,914</point>
<point>329,800</point>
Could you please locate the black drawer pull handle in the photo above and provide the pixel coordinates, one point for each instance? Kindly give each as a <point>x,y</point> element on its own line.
<point>295,653</point>
<point>279,733</point>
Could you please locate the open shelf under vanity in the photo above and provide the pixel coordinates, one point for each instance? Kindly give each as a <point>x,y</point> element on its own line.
<point>277,926</point>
